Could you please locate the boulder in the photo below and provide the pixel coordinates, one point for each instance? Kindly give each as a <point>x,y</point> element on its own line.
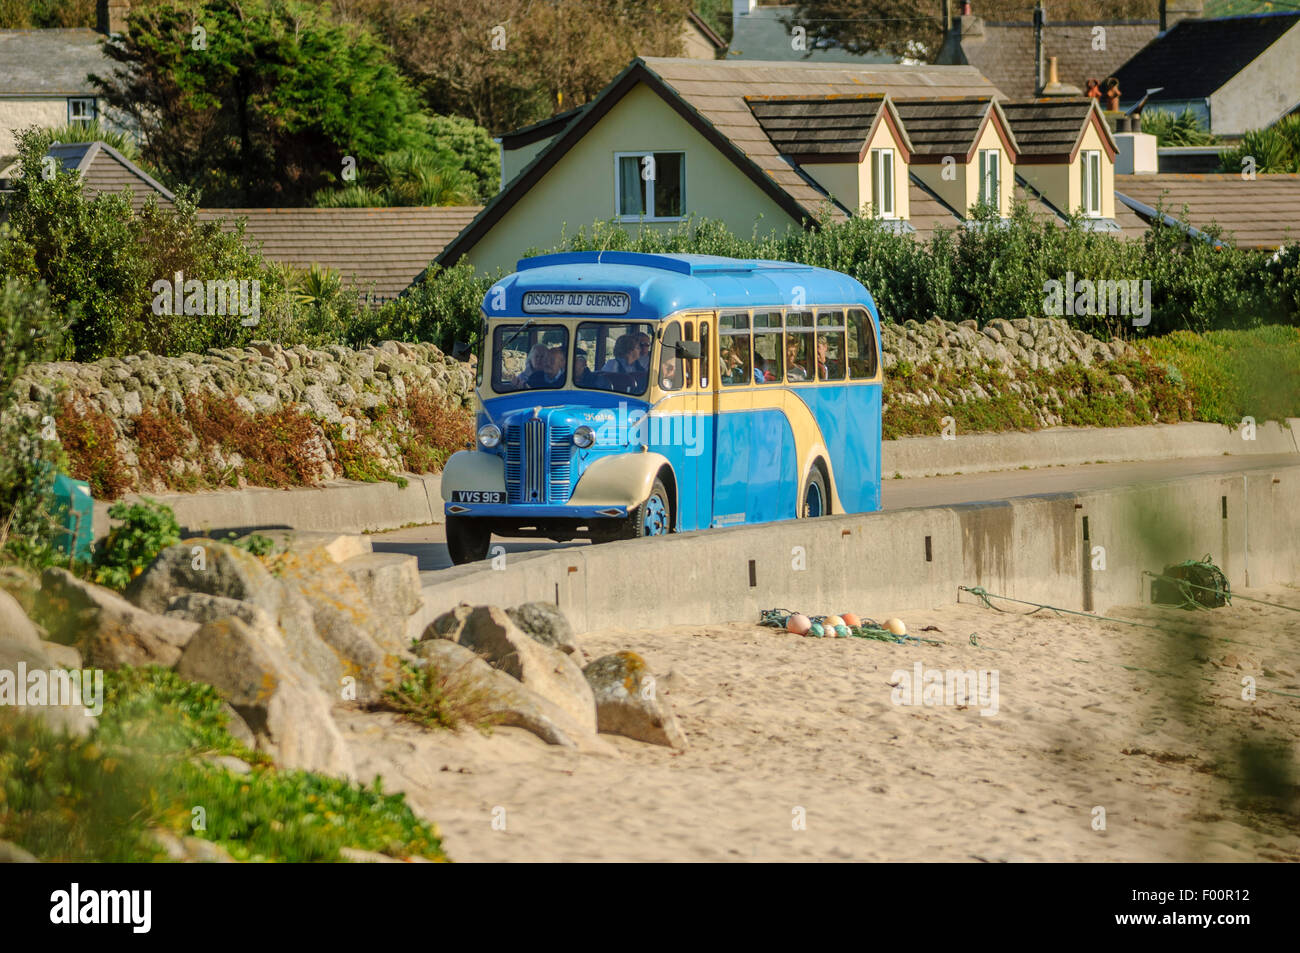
<point>204,565</point>
<point>626,703</point>
<point>550,673</point>
<point>450,624</point>
<point>14,624</point>
<point>390,582</point>
<point>17,663</point>
<point>109,631</point>
<point>510,702</point>
<point>287,713</point>
<point>294,630</point>
<point>547,624</point>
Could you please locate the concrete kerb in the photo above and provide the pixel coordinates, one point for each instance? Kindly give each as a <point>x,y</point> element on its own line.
<point>341,506</point>
<point>982,453</point>
<point>1030,548</point>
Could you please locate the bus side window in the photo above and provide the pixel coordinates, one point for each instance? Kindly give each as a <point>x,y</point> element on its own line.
<point>688,365</point>
<point>768,356</point>
<point>733,349</point>
<point>670,365</point>
<point>830,345</point>
<point>862,346</point>
<point>799,351</point>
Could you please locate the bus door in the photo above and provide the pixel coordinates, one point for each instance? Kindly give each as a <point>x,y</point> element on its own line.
<point>733,393</point>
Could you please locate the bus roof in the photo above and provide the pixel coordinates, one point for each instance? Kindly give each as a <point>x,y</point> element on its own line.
<point>659,285</point>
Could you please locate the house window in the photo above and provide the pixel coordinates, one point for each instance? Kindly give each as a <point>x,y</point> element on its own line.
<point>1091,197</point>
<point>81,111</point>
<point>882,182</point>
<point>651,185</point>
<point>990,176</point>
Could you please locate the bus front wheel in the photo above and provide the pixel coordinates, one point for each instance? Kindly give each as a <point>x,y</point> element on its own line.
<point>653,517</point>
<point>467,540</point>
<point>815,501</point>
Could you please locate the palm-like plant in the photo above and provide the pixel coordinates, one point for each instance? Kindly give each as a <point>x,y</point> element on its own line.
<point>317,286</point>
<point>405,177</point>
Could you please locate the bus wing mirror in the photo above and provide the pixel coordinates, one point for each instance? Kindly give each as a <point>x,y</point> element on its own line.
<point>688,349</point>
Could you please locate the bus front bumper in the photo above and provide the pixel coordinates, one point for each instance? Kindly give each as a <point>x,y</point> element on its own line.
<point>526,514</point>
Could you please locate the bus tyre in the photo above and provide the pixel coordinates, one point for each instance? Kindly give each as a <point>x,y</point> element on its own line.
<point>467,540</point>
<point>653,517</point>
<point>815,500</point>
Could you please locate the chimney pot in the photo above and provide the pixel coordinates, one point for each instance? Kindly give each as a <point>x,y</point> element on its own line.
<point>965,8</point>
<point>110,16</point>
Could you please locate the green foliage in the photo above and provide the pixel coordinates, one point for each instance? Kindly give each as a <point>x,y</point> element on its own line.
<point>1273,149</point>
<point>406,177</point>
<point>444,307</point>
<point>29,454</point>
<point>436,698</point>
<point>46,14</point>
<point>144,530</point>
<point>96,799</point>
<point>1184,129</point>
<point>264,111</point>
<point>472,146</point>
<point>90,132</point>
<point>1235,374</point>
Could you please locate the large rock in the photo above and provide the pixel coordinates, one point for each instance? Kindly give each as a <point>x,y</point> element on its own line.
<point>294,628</point>
<point>450,624</point>
<point>287,713</point>
<point>547,624</point>
<point>390,582</point>
<point>109,631</point>
<point>547,671</point>
<point>14,624</point>
<point>511,703</point>
<point>204,565</point>
<point>23,671</point>
<point>627,704</point>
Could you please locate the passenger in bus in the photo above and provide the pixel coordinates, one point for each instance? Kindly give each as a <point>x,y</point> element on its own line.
<point>533,366</point>
<point>668,373</point>
<point>627,356</point>
<point>582,374</point>
<point>550,368</point>
<point>643,340</point>
<point>794,370</point>
<point>825,367</point>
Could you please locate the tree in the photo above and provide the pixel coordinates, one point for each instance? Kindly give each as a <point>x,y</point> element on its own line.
<point>258,101</point>
<point>506,63</point>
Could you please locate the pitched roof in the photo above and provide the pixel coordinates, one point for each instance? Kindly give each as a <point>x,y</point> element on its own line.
<point>1196,57</point>
<point>1259,213</point>
<point>1055,127</point>
<point>1004,52</point>
<point>105,170</point>
<point>710,95</point>
<point>951,126</point>
<point>50,62</point>
<point>695,20</point>
<point>383,249</point>
<point>824,127</point>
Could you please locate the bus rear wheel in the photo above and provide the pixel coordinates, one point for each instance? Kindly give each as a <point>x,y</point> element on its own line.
<point>653,517</point>
<point>467,540</point>
<point>815,500</point>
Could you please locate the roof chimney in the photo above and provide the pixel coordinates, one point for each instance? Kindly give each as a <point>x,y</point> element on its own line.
<point>1171,11</point>
<point>1054,86</point>
<point>111,16</point>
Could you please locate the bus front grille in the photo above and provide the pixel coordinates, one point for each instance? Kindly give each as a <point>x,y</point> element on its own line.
<point>559,472</point>
<point>538,463</point>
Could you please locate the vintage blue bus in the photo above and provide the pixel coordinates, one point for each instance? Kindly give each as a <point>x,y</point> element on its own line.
<point>624,395</point>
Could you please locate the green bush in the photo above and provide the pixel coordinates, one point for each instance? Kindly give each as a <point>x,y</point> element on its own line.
<point>1183,129</point>
<point>144,530</point>
<point>1236,374</point>
<point>1272,149</point>
<point>444,307</point>
<point>143,769</point>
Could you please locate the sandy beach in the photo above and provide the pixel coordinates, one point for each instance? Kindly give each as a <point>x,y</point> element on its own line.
<point>799,752</point>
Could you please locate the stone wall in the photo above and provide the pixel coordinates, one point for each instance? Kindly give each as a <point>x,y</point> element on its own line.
<point>338,388</point>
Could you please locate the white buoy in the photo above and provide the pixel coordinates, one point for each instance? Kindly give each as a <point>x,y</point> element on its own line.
<point>896,626</point>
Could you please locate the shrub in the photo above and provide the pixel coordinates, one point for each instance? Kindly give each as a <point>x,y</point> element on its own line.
<point>438,698</point>
<point>144,530</point>
<point>1236,374</point>
<point>444,307</point>
<point>1183,129</point>
<point>90,442</point>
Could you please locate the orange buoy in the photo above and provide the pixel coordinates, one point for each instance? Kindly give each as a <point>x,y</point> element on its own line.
<point>798,623</point>
<point>851,620</point>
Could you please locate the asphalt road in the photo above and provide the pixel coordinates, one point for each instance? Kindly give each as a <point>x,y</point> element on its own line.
<point>428,543</point>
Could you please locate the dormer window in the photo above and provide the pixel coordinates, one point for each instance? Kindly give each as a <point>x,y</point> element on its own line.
<point>882,182</point>
<point>1090,199</point>
<point>990,177</point>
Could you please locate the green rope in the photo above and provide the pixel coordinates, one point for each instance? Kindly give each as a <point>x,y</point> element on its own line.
<point>984,596</point>
<point>870,629</point>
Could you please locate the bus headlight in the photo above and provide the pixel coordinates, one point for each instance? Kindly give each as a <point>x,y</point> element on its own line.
<point>584,437</point>
<point>489,435</point>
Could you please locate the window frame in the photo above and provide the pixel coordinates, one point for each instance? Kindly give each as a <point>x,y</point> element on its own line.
<point>648,215</point>
<point>878,179</point>
<point>1090,182</point>
<point>78,120</point>
<point>984,156</point>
